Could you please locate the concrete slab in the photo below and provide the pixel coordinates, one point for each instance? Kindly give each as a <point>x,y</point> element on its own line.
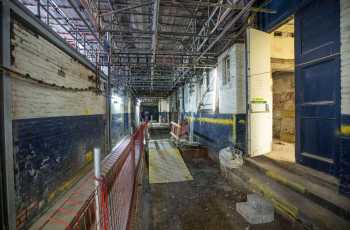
<point>258,202</point>
<point>253,215</point>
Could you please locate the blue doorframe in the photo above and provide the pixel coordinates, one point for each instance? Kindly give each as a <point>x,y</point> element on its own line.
<point>317,59</point>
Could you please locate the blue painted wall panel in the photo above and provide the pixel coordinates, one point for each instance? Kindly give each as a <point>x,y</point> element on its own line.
<point>212,132</point>
<point>49,152</point>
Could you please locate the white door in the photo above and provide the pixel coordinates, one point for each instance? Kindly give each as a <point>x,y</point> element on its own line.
<point>259,92</point>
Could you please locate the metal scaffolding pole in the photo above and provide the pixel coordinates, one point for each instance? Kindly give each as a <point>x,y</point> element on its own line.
<point>227,27</point>
<point>83,19</point>
<point>8,212</point>
<point>108,97</point>
<point>154,37</point>
<point>40,27</point>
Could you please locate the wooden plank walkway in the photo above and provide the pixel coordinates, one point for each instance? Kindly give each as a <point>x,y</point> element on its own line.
<point>166,164</point>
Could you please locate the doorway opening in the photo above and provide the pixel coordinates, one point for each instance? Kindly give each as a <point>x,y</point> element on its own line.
<point>271,93</point>
<point>149,112</point>
<point>283,93</point>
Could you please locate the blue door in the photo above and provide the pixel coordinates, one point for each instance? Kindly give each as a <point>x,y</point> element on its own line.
<point>317,59</point>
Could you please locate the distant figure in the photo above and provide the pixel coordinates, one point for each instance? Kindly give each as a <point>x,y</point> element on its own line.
<point>147,116</point>
<point>142,116</point>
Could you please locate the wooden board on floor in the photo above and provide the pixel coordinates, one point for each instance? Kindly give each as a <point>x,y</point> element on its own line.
<point>166,164</point>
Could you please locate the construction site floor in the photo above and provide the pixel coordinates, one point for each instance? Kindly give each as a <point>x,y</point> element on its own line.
<point>205,203</point>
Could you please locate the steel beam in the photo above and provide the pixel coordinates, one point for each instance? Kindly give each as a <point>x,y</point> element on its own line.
<point>164,53</point>
<point>189,3</point>
<point>7,163</point>
<point>154,36</point>
<point>161,15</point>
<point>126,8</point>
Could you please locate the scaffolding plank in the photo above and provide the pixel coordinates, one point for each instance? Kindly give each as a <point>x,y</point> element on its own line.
<point>166,164</point>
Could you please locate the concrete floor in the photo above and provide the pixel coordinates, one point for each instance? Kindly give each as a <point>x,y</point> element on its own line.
<point>205,203</point>
<point>282,151</point>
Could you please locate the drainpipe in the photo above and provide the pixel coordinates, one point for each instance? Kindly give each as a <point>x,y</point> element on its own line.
<point>191,127</point>
<point>247,124</point>
<point>108,98</point>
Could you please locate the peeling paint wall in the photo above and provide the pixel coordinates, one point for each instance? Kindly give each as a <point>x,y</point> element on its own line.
<point>283,106</point>
<point>344,170</point>
<point>54,130</point>
<point>345,56</point>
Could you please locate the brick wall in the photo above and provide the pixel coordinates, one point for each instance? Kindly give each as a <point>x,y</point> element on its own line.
<point>54,131</point>
<point>284,106</point>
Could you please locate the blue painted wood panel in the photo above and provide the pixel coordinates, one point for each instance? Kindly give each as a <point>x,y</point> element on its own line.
<point>318,84</point>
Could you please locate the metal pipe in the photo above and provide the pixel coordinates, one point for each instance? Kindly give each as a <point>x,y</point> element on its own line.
<point>47,14</point>
<point>43,29</point>
<point>38,9</point>
<point>82,18</point>
<point>6,154</point>
<point>97,170</point>
<point>108,97</point>
<point>227,27</point>
<point>212,4</point>
<point>127,8</point>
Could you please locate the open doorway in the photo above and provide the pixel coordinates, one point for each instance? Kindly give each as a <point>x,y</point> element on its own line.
<point>283,93</point>
<point>271,93</point>
<point>149,112</point>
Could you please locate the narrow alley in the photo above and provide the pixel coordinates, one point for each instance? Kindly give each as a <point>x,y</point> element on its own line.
<point>175,114</point>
